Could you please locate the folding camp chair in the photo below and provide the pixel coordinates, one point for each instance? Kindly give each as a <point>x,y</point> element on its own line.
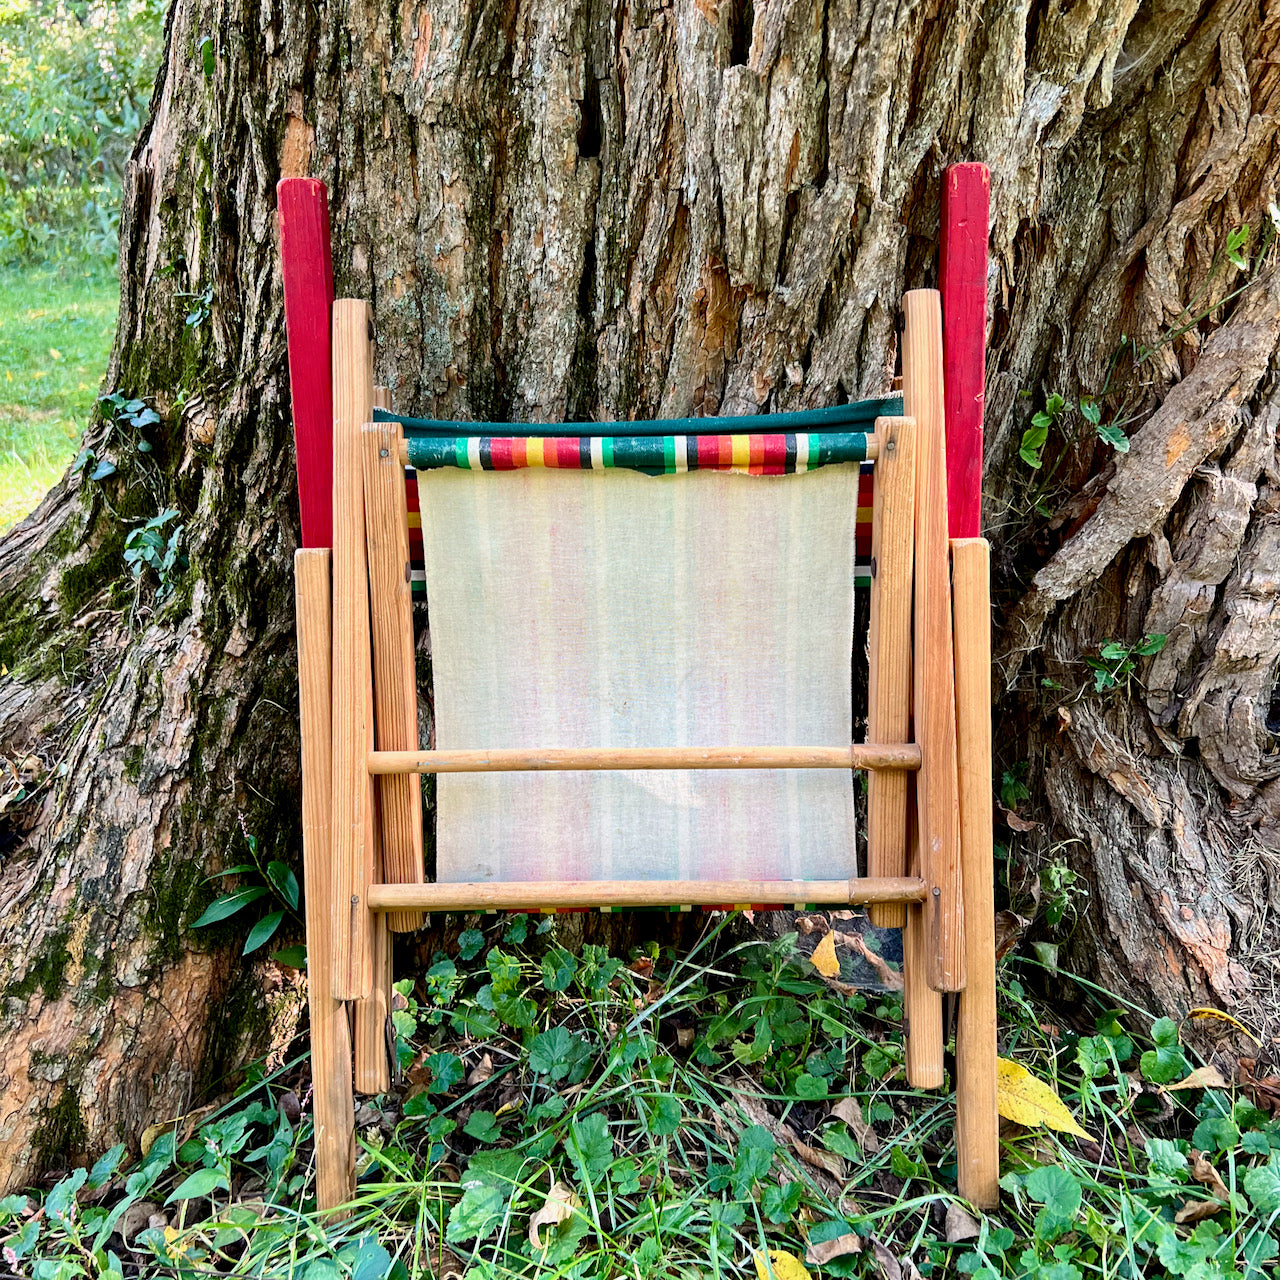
<point>928,753</point>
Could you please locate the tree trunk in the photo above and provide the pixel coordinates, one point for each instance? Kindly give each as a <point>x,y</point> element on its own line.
<point>574,209</point>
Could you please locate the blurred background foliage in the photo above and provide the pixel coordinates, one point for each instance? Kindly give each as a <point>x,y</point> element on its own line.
<point>75,80</point>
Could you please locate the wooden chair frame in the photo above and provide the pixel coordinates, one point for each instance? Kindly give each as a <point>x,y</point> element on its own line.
<point>929,863</point>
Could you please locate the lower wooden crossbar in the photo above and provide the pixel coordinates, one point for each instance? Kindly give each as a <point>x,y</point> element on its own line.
<point>540,895</point>
<point>861,755</point>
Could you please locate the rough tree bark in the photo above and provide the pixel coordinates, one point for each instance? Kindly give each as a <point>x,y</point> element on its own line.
<point>591,209</point>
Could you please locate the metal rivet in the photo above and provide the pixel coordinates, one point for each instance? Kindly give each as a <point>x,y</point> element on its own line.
<point>384,453</point>
<point>890,445</point>
<point>937,893</point>
<point>355,899</point>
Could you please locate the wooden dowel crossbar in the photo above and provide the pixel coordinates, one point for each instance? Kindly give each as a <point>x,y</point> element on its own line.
<point>545,895</point>
<point>905,755</point>
<point>873,447</point>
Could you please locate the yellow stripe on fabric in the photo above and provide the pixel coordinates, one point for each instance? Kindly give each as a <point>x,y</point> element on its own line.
<point>533,453</point>
<point>741,446</point>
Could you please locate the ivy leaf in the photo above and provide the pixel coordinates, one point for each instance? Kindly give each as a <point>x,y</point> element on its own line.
<point>556,1052</point>
<point>199,1184</point>
<point>476,1215</point>
<point>590,1146</point>
<point>1165,1062</point>
<point>483,1127</point>
<point>1164,1159</point>
<point>558,969</point>
<point>1059,1192</point>
<point>780,1202</point>
<point>753,1160</point>
<point>1216,1133</point>
<point>663,1117</point>
<point>1114,435</point>
<point>446,1070</point>
<point>262,932</point>
<point>810,1087</point>
<point>470,943</point>
<point>227,905</point>
<point>1034,439</point>
<point>206,56</point>
<point>104,469</point>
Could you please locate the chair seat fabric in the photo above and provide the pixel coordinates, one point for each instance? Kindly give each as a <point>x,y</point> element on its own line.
<point>612,610</point>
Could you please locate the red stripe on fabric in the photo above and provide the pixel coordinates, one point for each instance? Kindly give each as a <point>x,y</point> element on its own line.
<point>568,453</point>
<point>500,454</point>
<point>774,460</point>
<point>411,490</point>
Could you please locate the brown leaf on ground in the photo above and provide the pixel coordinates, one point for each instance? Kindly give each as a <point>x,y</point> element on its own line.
<point>558,1207</point>
<point>1206,1077</point>
<point>827,1161</point>
<point>1198,1211</point>
<point>821,1253</point>
<point>1016,823</point>
<point>1009,928</point>
<point>480,1072</point>
<point>848,1110</point>
<point>960,1224</point>
<point>889,1266</point>
<point>812,924</point>
<point>888,976</point>
<point>1205,1174</point>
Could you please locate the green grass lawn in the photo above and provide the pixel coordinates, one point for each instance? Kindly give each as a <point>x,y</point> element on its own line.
<point>55,336</point>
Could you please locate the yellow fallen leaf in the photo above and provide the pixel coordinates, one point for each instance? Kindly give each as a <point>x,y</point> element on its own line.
<point>824,957</point>
<point>1220,1016</point>
<point>786,1266</point>
<point>1026,1100</point>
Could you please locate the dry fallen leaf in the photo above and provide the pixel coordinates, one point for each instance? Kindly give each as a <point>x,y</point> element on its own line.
<point>480,1072</point>
<point>890,1267</point>
<point>827,1161</point>
<point>1025,1100</point>
<point>960,1224</point>
<point>1009,928</point>
<point>558,1207</point>
<point>1016,823</point>
<point>821,1253</point>
<point>812,924</point>
<point>1198,1210</point>
<point>888,976</point>
<point>1207,1077</point>
<point>1205,1174</point>
<point>824,957</point>
<point>1220,1016</point>
<point>786,1266</point>
<point>848,1110</point>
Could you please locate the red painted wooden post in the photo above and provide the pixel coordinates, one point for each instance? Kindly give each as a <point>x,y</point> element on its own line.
<point>966,199</point>
<point>307,267</point>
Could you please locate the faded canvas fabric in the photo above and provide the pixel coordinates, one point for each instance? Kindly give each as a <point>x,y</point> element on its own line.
<point>617,609</point>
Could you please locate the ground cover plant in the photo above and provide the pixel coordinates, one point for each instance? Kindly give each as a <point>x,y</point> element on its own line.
<point>55,334</point>
<point>729,1112</point>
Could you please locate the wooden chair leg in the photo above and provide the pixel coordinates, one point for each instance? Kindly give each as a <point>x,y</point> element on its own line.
<point>977,1122</point>
<point>373,1072</point>
<point>934,663</point>
<point>921,1004</point>
<point>331,1097</point>
<point>889,683</point>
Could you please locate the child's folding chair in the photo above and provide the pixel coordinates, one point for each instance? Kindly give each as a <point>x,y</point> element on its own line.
<point>641,638</point>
